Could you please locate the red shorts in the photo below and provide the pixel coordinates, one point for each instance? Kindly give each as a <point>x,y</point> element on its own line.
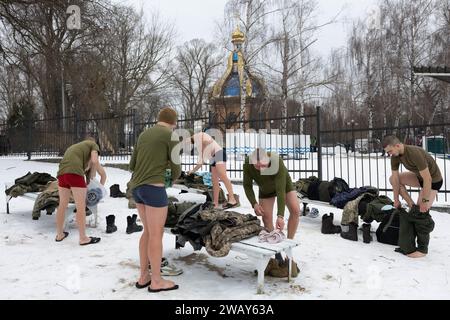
<point>70,180</point>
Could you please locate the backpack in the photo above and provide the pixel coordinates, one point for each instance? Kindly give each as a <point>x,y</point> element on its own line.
<point>389,229</point>
<point>337,185</point>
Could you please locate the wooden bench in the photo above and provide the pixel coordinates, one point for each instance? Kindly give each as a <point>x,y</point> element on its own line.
<point>93,222</point>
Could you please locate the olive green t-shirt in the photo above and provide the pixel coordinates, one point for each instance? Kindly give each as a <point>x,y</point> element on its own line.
<point>277,184</point>
<point>76,158</point>
<point>152,156</point>
<point>416,159</point>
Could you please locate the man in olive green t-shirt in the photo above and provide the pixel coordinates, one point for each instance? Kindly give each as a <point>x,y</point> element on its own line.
<point>423,172</point>
<point>79,160</point>
<point>273,180</point>
<point>155,151</point>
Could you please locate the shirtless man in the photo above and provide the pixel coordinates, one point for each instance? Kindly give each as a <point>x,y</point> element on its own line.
<point>209,149</point>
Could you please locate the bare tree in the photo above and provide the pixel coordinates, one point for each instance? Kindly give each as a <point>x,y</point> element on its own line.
<point>195,63</point>
<point>40,29</point>
<point>137,60</point>
<point>294,70</point>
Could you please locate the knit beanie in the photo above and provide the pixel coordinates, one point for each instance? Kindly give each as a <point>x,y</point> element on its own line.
<point>168,115</point>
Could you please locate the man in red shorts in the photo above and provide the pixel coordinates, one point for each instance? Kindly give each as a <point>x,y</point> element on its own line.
<point>79,160</point>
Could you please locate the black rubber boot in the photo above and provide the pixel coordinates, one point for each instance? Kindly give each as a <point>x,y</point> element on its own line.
<point>132,226</point>
<point>352,233</point>
<point>367,238</point>
<point>110,226</point>
<point>327,225</point>
<point>114,192</point>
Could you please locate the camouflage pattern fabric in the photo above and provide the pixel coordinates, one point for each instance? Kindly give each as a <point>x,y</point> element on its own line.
<point>129,196</point>
<point>47,200</point>
<point>31,182</point>
<point>175,210</point>
<point>229,227</point>
<point>350,212</point>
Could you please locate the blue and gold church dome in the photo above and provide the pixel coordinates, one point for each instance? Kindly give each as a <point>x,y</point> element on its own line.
<point>230,84</point>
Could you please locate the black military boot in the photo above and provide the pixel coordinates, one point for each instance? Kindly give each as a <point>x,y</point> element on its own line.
<point>132,226</point>
<point>367,238</point>
<point>110,226</point>
<point>327,225</point>
<point>352,233</point>
<point>114,192</point>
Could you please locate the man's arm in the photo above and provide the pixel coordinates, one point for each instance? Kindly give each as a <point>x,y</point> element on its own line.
<point>101,171</point>
<point>198,144</point>
<point>248,186</point>
<point>97,167</point>
<point>395,181</point>
<point>198,165</point>
<point>280,187</point>
<point>174,163</point>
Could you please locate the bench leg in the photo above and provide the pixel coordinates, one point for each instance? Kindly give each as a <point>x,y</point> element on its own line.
<point>261,266</point>
<point>7,205</point>
<point>304,208</point>
<point>290,257</point>
<point>93,216</point>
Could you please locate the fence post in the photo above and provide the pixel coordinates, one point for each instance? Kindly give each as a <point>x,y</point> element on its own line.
<point>75,128</point>
<point>30,139</point>
<point>134,126</point>
<point>209,119</point>
<point>318,144</point>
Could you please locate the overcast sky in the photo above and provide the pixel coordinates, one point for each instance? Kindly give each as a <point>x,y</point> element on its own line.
<point>196,18</point>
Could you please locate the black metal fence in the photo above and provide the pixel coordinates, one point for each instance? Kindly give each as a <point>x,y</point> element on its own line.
<point>352,153</point>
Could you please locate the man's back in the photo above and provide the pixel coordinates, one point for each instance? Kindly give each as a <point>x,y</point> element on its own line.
<point>152,156</point>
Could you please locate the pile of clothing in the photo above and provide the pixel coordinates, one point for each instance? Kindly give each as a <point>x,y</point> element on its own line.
<point>31,182</point>
<point>196,181</point>
<point>48,200</point>
<point>364,202</point>
<point>176,209</point>
<point>216,230</point>
<point>316,189</point>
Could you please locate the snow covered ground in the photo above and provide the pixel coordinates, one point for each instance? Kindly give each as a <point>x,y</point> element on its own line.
<point>34,266</point>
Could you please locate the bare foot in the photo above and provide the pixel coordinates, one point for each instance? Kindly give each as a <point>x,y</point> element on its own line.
<point>144,279</point>
<point>61,237</point>
<point>161,284</point>
<point>85,240</point>
<point>417,254</point>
